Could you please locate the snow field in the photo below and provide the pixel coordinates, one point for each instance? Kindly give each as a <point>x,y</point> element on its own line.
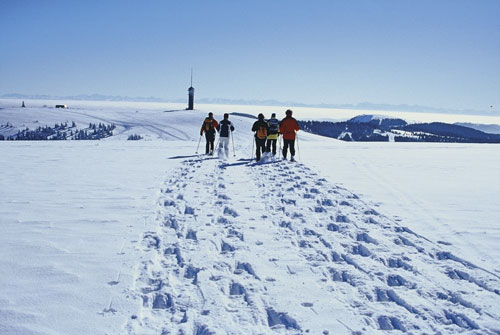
<point>446,192</point>
<point>274,248</point>
<point>145,237</point>
<point>69,214</point>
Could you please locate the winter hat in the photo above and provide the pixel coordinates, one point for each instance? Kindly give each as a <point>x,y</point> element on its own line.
<point>288,112</point>
<point>273,115</point>
<point>226,116</point>
<point>210,114</point>
<point>261,116</point>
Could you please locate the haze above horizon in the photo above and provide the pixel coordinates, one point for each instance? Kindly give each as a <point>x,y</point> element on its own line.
<point>443,54</point>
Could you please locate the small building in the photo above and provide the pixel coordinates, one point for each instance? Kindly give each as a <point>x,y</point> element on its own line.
<point>61,106</point>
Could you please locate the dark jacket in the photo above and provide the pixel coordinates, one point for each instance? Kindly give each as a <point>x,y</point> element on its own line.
<point>259,124</point>
<point>223,128</point>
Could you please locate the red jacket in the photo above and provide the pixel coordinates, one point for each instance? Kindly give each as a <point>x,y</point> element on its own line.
<point>288,128</point>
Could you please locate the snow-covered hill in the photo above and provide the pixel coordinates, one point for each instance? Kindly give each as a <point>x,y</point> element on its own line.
<point>145,237</point>
<point>370,128</point>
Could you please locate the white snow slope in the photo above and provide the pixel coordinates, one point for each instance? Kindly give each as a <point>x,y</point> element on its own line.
<point>126,237</point>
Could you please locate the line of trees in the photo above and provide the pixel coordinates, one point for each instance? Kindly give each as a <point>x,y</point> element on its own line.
<point>62,131</point>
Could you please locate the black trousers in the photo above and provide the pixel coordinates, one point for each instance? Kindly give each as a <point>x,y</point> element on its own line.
<point>271,143</point>
<point>210,142</point>
<point>286,144</point>
<point>261,147</point>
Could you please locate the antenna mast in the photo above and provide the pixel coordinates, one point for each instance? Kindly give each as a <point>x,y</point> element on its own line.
<point>191,77</point>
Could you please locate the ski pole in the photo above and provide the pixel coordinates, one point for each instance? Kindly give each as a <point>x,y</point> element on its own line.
<point>217,145</point>
<point>281,150</point>
<point>198,145</point>
<point>232,140</point>
<point>298,147</point>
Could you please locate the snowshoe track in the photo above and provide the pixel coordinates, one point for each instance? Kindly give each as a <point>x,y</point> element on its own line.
<point>276,249</point>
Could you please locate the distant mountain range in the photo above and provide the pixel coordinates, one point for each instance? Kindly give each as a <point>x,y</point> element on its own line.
<point>486,128</point>
<point>222,101</point>
<point>372,128</point>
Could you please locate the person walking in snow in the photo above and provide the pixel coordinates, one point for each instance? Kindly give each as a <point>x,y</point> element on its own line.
<point>272,135</point>
<point>261,129</point>
<point>224,127</point>
<point>288,128</point>
<point>208,127</point>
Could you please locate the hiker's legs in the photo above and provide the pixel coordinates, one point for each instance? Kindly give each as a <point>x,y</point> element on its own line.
<point>285,147</point>
<point>273,144</point>
<point>224,143</point>
<point>268,145</point>
<point>257,149</point>
<point>207,146</point>
<point>292,147</point>
<point>261,147</point>
<point>212,140</point>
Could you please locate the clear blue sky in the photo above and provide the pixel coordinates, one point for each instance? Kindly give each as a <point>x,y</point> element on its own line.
<point>439,53</point>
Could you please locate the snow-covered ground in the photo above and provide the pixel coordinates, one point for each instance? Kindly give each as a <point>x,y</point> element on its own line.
<point>145,237</point>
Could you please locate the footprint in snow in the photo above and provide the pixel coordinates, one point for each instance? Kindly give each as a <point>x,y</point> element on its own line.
<point>191,235</point>
<point>342,218</point>
<point>192,273</point>
<point>327,202</point>
<point>189,210</point>
<point>223,220</point>
<point>361,250</point>
<point>171,222</point>
<point>226,247</point>
<point>169,203</point>
<point>390,323</point>
<point>319,209</point>
<point>398,263</point>
<point>246,267</point>
<point>364,237</point>
<point>230,212</point>
<point>236,234</point>
<point>371,212</point>
<point>223,197</point>
<point>279,318</point>
<point>151,240</point>
<point>333,227</point>
<point>236,289</point>
<point>163,301</point>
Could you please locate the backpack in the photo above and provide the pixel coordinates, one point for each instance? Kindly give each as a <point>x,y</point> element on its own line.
<point>208,124</point>
<point>261,133</point>
<point>273,126</point>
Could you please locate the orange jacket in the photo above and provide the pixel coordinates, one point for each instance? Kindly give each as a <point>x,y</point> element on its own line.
<point>288,128</point>
<point>209,126</point>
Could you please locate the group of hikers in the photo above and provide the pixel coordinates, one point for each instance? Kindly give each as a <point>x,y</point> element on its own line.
<point>266,133</point>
